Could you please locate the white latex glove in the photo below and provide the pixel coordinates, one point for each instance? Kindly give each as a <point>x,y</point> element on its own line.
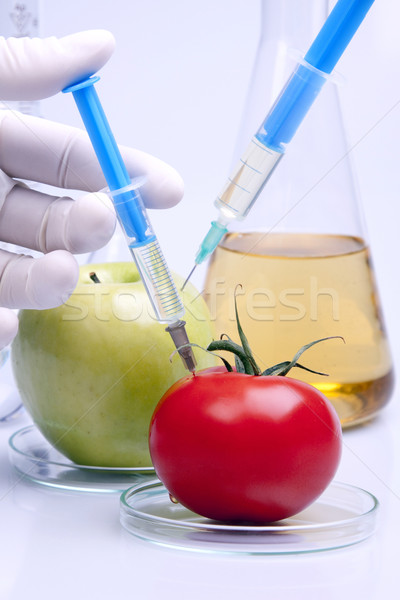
<point>61,156</point>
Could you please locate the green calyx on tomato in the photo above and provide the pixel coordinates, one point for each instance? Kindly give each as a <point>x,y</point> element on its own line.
<point>245,361</point>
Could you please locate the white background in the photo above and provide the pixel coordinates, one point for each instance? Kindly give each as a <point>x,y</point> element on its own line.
<point>176,88</point>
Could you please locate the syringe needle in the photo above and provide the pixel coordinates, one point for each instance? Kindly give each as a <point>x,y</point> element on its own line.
<point>188,277</point>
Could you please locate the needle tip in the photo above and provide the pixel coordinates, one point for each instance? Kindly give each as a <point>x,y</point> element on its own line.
<point>188,277</point>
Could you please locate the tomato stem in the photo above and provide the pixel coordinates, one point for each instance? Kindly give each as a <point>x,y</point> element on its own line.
<point>229,346</point>
<point>244,359</point>
<point>245,343</point>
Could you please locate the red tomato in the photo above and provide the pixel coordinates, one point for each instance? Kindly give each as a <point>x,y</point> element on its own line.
<point>236,447</point>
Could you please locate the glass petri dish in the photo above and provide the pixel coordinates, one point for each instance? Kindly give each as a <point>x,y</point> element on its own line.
<point>343,515</point>
<point>36,460</point>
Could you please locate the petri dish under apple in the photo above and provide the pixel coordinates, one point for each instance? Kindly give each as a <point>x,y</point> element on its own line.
<point>342,516</point>
<point>36,460</point>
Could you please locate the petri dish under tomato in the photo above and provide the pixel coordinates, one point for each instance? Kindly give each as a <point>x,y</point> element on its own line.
<point>342,516</point>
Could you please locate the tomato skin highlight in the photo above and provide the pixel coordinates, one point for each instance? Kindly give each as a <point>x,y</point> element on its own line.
<point>236,447</point>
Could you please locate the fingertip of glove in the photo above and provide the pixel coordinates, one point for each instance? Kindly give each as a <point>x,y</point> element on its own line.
<point>164,186</point>
<point>88,51</point>
<point>34,68</point>
<point>172,188</point>
<point>53,278</point>
<point>97,43</point>
<point>91,223</point>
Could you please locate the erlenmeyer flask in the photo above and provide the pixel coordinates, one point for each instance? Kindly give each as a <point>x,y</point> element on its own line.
<point>301,256</point>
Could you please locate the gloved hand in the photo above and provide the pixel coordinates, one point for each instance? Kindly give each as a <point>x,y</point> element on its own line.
<point>61,156</point>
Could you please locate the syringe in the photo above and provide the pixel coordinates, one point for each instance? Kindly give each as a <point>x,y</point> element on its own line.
<point>133,218</point>
<point>268,145</point>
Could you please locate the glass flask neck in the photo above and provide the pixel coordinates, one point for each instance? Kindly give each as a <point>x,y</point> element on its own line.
<point>296,21</point>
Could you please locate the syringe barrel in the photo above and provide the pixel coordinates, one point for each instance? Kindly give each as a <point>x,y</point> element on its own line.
<point>148,256</point>
<point>157,279</point>
<point>247,181</point>
<point>131,212</point>
<point>268,145</point>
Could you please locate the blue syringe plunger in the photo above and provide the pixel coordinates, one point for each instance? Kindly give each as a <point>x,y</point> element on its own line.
<point>336,33</point>
<point>307,80</point>
<point>127,199</point>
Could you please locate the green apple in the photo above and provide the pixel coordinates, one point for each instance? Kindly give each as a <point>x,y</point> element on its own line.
<point>91,372</point>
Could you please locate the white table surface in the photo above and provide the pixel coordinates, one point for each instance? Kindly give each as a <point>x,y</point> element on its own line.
<point>60,545</point>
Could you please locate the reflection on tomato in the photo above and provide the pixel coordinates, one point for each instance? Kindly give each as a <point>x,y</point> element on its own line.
<point>238,447</point>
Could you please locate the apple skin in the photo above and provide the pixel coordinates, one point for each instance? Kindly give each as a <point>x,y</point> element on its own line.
<point>92,371</point>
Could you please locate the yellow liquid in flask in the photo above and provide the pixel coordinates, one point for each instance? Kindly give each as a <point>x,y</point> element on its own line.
<point>296,288</point>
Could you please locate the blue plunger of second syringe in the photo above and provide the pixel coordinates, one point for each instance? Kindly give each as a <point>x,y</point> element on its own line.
<point>303,87</point>
<point>283,120</point>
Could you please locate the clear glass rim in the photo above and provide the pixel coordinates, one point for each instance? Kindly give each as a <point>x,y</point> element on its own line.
<point>67,463</point>
<point>157,484</point>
